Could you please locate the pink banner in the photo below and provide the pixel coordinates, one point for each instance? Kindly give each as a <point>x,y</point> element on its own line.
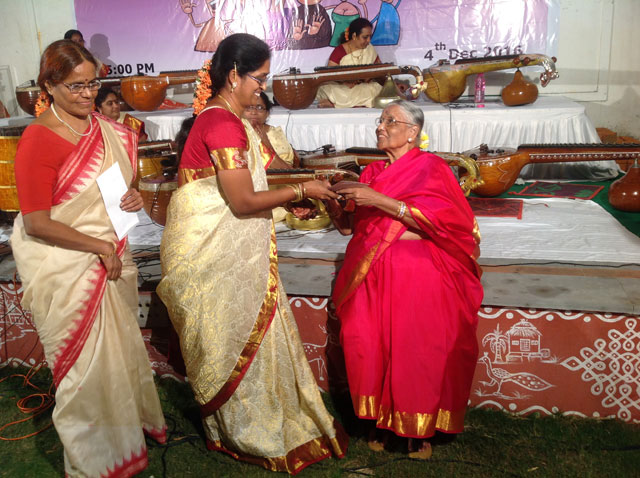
<point>151,36</point>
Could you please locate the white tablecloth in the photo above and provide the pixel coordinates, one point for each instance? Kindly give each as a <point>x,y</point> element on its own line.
<point>549,120</point>
<point>571,231</point>
<point>451,128</point>
<point>455,128</point>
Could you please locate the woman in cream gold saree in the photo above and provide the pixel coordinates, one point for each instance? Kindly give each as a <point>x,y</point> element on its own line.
<point>244,358</point>
<point>355,51</point>
<point>79,280</point>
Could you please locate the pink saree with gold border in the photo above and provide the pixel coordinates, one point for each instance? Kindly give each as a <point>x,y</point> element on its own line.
<point>408,308</point>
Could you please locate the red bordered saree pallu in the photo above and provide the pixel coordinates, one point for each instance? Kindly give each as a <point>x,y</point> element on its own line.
<point>408,308</point>
<point>105,396</point>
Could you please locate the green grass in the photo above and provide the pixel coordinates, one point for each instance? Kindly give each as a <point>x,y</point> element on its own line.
<point>494,444</point>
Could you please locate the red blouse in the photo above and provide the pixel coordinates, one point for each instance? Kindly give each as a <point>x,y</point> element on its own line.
<point>40,154</point>
<point>337,54</point>
<point>217,141</point>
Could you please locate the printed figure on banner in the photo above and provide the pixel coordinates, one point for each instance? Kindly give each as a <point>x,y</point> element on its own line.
<point>310,26</point>
<point>342,15</point>
<point>386,24</point>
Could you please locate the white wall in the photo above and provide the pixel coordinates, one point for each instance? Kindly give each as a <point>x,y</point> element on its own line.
<point>597,54</point>
<point>620,112</point>
<point>26,28</point>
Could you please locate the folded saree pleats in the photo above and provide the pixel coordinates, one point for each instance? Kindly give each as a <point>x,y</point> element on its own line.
<point>276,418</point>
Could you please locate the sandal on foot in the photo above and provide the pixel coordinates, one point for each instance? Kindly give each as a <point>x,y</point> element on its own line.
<point>375,445</point>
<point>377,440</point>
<point>423,453</point>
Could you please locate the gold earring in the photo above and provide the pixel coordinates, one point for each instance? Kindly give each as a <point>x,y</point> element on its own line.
<point>233,86</point>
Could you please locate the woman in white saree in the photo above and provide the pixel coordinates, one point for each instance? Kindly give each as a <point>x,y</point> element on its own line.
<point>355,51</point>
<point>79,280</point>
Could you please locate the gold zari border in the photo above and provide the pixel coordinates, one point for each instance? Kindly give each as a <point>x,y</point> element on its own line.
<point>298,458</point>
<point>358,274</point>
<point>473,258</point>
<point>421,218</point>
<point>229,158</point>
<point>417,425</point>
<point>189,175</point>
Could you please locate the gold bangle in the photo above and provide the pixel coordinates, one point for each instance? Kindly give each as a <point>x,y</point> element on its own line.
<point>304,191</point>
<point>295,191</point>
<point>402,208</point>
<point>107,256</point>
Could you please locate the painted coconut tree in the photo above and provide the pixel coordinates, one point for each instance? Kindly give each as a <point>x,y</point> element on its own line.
<point>498,343</point>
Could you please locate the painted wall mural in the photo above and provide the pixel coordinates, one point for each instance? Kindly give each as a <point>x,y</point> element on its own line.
<point>531,360</point>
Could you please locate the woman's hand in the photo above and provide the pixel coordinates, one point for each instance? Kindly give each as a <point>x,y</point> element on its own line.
<point>363,195</point>
<point>319,190</point>
<point>261,129</point>
<point>110,260</point>
<point>113,264</point>
<point>131,201</point>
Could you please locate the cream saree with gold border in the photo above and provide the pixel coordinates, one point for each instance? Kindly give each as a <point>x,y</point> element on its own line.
<point>243,354</point>
<point>105,395</point>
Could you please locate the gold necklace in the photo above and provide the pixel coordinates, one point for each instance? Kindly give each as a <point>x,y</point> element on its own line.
<point>230,107</point>
<point>352,51</point>
<point>55,113</point>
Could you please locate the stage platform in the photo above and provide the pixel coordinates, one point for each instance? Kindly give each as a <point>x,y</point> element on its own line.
<point>564,254</point>
<point>559,328</point>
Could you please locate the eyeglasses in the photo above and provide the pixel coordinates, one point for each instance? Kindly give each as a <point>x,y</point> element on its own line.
<point>257,107</point>
<point>261,81</point>
<point>390,122</point>
<point>76,88</point>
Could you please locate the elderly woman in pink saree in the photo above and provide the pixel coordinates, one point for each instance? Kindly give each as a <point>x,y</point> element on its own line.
<point>79,280</point>
<point>409,290</point>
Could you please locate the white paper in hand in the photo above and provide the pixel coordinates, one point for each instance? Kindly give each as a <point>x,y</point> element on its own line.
<point>112,187</point>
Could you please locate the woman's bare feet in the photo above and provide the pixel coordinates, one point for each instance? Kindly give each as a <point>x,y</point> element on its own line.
<point>420,449</point>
